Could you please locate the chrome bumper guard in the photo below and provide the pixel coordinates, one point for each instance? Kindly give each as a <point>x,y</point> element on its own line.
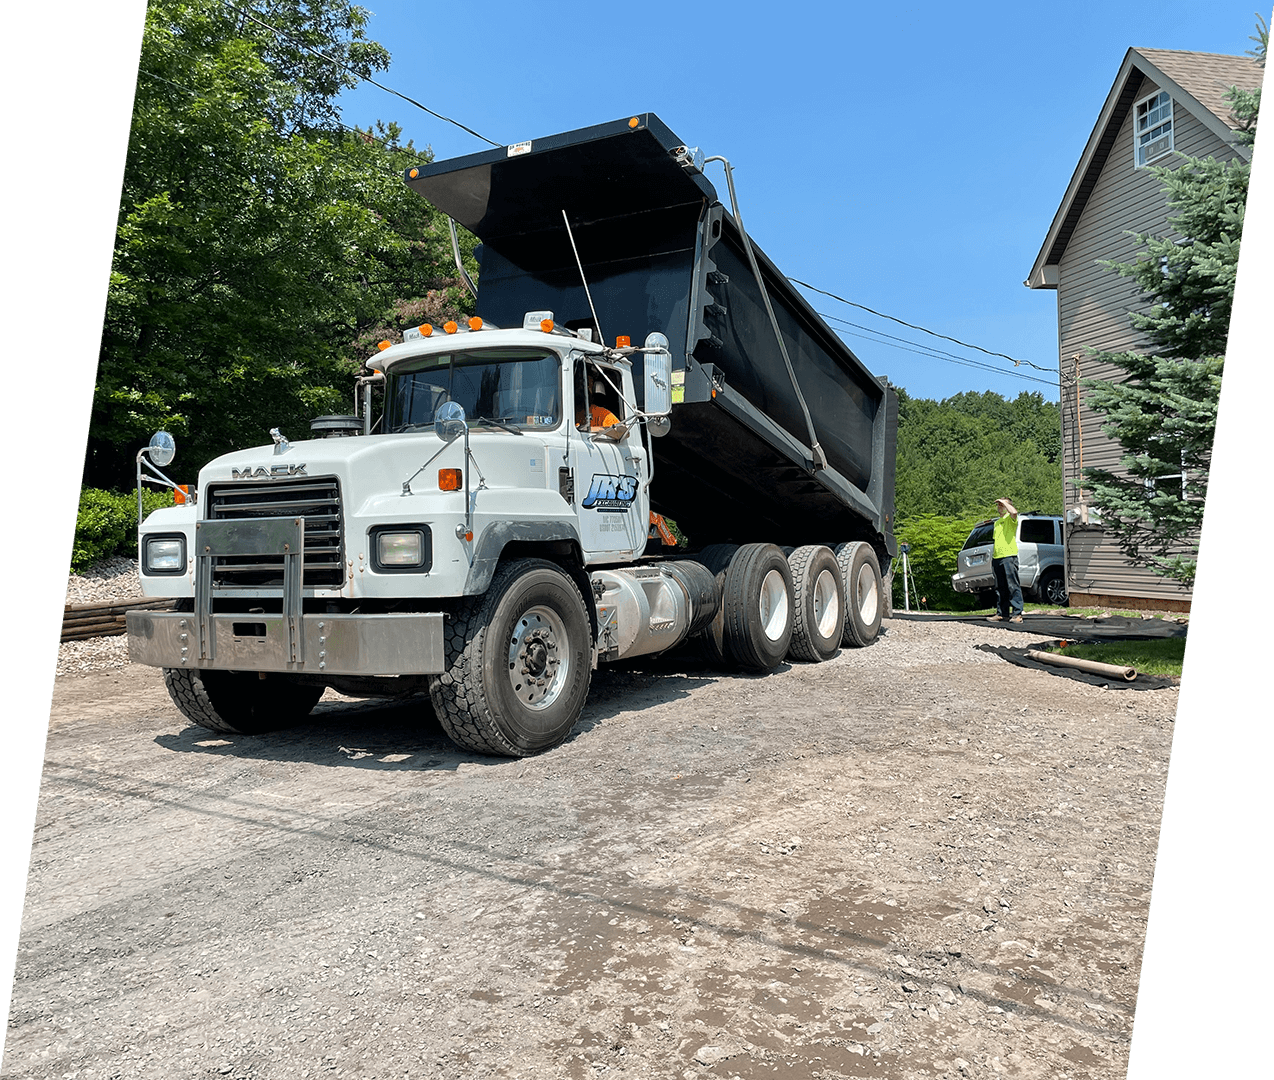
<point>333,644</point>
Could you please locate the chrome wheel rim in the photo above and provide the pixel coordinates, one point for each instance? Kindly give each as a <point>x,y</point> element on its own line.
<point>539,662</point>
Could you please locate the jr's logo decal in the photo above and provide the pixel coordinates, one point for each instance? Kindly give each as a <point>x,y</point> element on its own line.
<point>610,492</point>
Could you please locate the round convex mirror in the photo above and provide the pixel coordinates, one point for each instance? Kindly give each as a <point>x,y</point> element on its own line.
<point>449,421</point>
<point>162,448</point>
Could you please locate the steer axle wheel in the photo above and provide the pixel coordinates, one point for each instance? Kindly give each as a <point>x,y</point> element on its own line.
<point>518,662</point>
<point>240,702</point>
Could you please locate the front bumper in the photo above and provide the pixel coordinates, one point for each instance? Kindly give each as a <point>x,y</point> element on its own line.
<point>389,644</point>
<point>393,643</point>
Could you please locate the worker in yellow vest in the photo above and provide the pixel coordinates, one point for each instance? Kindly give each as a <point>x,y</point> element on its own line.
<point>1008,587</point>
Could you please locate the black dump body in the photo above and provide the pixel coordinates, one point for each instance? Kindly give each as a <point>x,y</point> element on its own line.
<point>662,253</point>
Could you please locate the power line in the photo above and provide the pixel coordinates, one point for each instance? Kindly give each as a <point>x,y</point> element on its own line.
<point>922,329</point>
<point>364,135</point>
<point>359,75</point>
<point>933,354</point>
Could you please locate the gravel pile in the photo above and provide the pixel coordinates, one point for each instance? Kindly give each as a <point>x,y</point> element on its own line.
<point>104,582</point>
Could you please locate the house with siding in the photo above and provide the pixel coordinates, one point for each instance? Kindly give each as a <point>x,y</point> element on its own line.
<point>1163,103</point>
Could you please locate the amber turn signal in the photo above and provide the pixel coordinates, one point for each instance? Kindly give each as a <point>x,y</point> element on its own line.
<point>449,480</point>
<point>623,341</point>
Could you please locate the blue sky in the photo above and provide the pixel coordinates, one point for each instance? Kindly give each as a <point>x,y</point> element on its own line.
<point>908,157</point>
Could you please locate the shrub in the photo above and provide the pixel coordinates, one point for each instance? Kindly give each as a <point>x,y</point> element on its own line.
<point>107,524</point>
<point>935,542</point>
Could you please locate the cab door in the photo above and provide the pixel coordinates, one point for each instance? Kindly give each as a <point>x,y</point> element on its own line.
<point>610,473</point>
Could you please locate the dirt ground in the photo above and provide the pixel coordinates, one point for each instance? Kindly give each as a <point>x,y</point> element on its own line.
<point>913,861</point>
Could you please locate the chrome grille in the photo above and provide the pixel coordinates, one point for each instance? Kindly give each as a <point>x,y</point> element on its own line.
<point>318,500</point>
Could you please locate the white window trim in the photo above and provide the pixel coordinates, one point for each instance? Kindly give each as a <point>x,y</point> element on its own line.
<point>1137,161</point>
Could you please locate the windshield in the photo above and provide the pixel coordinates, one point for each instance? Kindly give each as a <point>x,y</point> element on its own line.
<point>519,387</point>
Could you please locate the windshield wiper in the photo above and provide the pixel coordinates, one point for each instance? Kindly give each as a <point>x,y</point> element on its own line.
<point>497,423</point>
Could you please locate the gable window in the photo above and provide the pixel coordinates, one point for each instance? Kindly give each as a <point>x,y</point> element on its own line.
<point>1153,134</point>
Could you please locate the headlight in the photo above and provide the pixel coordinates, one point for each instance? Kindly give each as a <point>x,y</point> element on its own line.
<point>401,548</point>
<point>165,555</point>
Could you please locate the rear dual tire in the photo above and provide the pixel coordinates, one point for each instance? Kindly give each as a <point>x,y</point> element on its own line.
<point>864,592</point>
<point>752,630</point>
<point>818,603</point>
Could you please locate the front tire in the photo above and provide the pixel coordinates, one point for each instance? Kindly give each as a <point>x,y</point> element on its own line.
<point>518,662</point>
<point>240,702</point>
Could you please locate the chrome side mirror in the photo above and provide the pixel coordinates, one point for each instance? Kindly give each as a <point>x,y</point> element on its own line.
<point>449,421</point>
<point>162,448</point>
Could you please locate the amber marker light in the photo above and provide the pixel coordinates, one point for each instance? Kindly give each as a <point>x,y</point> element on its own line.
<point>475,323</point>
<point>449,480</point>
<point>450,327</point>
<point>425,330</point>
<point>623,341</point>
<point>384,345</point>
<point>414,173</point>
<point>546,325</point>
<point>633,122</point>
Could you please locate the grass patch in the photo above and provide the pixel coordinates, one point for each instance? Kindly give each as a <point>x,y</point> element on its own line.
<point>1161,656</point>
<point>1044,609</point>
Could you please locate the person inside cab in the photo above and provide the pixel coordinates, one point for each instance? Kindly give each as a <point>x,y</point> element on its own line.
<point>596,404</point>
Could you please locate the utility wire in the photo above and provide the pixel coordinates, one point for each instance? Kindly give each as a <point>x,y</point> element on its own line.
<point>924,350</point>
<point>364,135</point>
<point>922,329</point>
<point>357,74</point>
<point>920,350</point>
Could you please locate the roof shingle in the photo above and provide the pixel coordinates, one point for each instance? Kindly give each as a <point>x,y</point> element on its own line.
<point>1207,76</point>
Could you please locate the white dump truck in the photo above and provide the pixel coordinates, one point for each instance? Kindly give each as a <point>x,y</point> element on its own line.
<point>479,528</point>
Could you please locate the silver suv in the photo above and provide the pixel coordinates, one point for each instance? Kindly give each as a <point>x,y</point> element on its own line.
<point>1041,560</point>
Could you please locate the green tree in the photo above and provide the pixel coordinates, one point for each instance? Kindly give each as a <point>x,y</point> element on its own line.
<point>259,242</point>
<point>1164,412</point>
<point>957,456</point>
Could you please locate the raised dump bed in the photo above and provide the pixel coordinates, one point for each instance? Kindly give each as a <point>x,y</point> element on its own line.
<point>661,253</point>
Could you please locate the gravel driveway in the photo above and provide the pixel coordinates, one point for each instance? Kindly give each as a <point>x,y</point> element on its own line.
<point>915,860</point>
